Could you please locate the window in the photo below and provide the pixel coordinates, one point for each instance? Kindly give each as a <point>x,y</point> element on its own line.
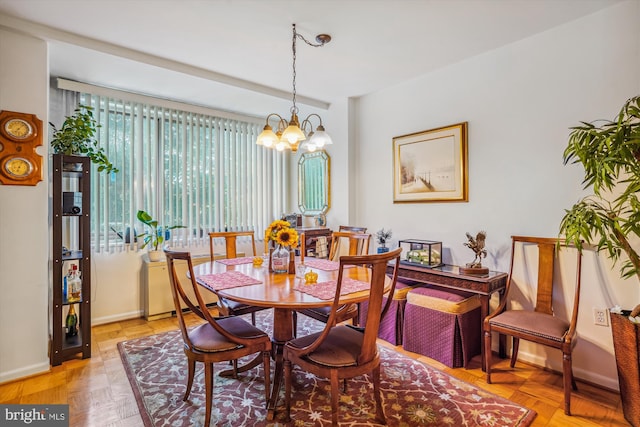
<point>184,168</point>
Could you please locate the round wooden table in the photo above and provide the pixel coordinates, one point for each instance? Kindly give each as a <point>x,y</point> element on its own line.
<point>276,291</point>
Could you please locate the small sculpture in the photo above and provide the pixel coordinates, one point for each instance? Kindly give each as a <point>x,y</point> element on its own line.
<point>477,246</point>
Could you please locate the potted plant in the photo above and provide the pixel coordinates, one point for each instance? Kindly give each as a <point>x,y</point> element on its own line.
<point>77,136</point>
<point>155,237</point>
<point>610,155</point>
<point>382,236</point>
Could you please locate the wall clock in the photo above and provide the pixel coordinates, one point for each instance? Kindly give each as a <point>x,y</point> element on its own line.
<point>20,134</point>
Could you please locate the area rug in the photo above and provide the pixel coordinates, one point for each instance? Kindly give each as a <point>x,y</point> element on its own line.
<point>413,394</point>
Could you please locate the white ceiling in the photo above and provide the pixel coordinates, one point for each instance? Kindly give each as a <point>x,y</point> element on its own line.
<point>182,49</point>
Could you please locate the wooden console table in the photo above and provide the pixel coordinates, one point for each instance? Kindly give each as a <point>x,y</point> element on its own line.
<point>449,276</point>
<point>311,235</point>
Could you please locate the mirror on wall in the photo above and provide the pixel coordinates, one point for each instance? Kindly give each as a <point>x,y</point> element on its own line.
<point>313,183</point>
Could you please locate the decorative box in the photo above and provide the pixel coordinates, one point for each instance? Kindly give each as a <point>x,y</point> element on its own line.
<point>425,253</point>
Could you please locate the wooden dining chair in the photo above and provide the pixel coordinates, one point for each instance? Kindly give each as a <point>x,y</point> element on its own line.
<point>539,324</point>
<point>228,307</point>
<point>357,244</point>
<point>352,228</point>
<point>219,339</point>
<point>346,351</point>
<point>348,243</point>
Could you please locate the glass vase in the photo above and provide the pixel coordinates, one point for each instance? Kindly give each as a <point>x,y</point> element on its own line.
<point>280,259</point>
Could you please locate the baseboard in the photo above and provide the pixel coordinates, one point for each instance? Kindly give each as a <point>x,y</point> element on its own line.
<point>26,371</point>
<point>580,374</point>
<point>135,315</point>
<point>117,317</point>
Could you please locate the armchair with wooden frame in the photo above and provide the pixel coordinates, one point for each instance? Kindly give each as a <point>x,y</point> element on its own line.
<point>539,325</point>
<point>216,340</point>
<point>345,351</point>
<point>228,307</point>
<point>358,244</point>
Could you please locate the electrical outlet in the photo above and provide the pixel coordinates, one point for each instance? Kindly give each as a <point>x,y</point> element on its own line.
<point>600,317</point>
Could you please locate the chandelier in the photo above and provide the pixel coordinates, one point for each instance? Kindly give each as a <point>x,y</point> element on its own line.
<point>290,135</point>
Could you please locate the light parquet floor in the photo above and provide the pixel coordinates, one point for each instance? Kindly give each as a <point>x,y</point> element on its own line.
<point>99,395</point>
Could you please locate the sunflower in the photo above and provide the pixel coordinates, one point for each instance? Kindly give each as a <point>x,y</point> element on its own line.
<point>282,233</point>
<point>287,237</point>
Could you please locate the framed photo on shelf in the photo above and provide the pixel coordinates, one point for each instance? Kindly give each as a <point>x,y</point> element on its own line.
<point>431,166</point>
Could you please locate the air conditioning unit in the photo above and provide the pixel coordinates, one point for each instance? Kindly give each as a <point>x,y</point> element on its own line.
<point>158,301</point>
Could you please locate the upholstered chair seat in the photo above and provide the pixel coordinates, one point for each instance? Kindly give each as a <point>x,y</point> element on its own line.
<point>339,349</point>
<point>206,339</point>
<point>541,325</point>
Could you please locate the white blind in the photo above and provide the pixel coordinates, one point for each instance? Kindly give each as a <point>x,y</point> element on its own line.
<point>184,168</point>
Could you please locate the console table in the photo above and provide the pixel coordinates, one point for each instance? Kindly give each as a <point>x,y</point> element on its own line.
<point>311,235</point>
<point>449,276</point>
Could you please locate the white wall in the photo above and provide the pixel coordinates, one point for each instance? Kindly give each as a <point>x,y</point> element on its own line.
<point>519,101</point>
<point>341,190</point>
<point>24,212</point>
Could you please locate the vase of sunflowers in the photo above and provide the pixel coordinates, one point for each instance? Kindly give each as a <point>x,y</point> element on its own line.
<point>285,239</point>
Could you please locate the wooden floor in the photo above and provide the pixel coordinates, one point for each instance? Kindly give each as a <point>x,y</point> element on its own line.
<point>99,394</point>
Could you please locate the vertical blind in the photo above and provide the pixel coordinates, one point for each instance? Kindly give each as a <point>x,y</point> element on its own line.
<point>203,172</point>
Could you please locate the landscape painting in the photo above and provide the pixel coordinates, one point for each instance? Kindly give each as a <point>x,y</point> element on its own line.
<point>431,166</point>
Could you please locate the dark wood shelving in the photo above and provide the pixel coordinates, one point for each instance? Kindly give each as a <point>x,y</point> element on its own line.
<point>77,181</point>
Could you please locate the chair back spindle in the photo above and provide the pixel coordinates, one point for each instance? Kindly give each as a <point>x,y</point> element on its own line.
<point>544,297</point>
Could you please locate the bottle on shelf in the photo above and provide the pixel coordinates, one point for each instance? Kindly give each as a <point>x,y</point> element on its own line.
<point>74,284</point>
<point>71,322</point>
<point>65,288</point>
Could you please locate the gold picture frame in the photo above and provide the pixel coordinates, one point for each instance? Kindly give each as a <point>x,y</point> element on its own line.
<point>431,166</point>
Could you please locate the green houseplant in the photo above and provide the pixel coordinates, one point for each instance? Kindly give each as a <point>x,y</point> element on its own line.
<point>610,219</point>
<point>77,136</point>
<point>155,236</point>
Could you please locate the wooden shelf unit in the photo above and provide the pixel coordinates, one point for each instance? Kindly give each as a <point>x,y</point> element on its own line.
<point>71,229</point>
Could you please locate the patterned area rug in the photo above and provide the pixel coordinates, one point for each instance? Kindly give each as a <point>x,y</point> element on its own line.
<point>413,394</point>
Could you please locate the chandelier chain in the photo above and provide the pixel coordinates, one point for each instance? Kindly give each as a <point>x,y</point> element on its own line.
<point>294,108</point>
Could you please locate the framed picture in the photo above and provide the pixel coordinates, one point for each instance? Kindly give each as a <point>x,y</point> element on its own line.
<point>431,166</point>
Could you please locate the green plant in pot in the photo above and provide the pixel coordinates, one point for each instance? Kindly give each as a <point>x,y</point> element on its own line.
<point>77,137</point>
<point>155,236</point>
<point>609,219</point>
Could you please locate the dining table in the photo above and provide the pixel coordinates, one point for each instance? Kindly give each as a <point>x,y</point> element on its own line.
<point>238,279</point>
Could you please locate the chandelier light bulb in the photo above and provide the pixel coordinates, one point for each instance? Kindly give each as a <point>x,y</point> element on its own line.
<point>267,137</point>
<point>291,137</point>
<point>321,138</point>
